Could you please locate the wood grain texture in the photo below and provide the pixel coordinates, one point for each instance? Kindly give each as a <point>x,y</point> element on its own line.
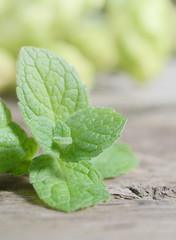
<point>143,203</point>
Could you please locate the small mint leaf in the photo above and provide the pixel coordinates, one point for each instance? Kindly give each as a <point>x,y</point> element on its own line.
<point>114,161</point>
<point>92,130</point>
<point>62,134</point>
<point>67,186</point>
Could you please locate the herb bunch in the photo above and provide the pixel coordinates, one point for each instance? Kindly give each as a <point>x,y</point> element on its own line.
<point>55,106</point>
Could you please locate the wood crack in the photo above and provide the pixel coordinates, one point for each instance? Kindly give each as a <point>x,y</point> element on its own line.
<point>144,192</point>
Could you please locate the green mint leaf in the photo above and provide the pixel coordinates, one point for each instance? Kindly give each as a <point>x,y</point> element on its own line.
<point>116,160</point>
<point>62,134</point>
<point>14,144</point>
<point>67,186</point>
<point>92,130</point>
<point>48,89</point>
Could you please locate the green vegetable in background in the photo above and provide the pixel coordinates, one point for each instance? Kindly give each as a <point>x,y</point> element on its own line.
<point>143,30</point>
<point>95,39</point>
<point>34,22</point>
<point>135,36</point>
<point>174,30</point>
<point>39,23</point>
<point>7,70</point>
<point>55,106</point>
<point>95,5</point>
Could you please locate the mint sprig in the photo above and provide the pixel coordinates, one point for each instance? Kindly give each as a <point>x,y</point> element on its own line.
<point>55,107</point>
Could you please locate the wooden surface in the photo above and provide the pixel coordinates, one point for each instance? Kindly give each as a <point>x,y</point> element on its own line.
<point>143,203</point>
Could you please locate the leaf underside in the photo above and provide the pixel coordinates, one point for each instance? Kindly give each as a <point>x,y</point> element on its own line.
<point>116,160</point>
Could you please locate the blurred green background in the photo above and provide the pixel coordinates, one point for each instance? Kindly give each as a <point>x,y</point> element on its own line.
<point>133,36</point>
